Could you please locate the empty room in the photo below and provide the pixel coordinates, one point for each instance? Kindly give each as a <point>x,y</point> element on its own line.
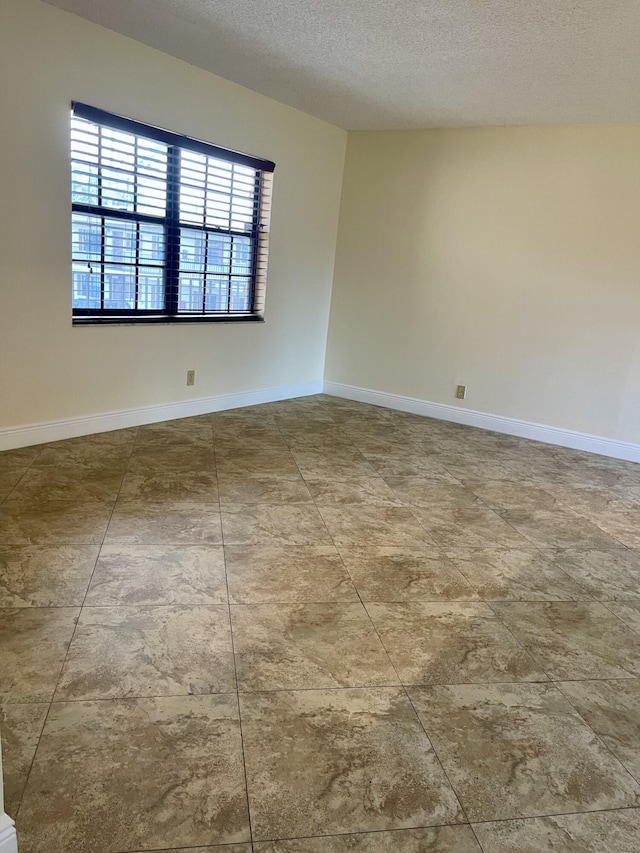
<point>320,426</point>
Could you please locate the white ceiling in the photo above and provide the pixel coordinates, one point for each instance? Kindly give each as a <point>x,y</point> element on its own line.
<point>386,64</point>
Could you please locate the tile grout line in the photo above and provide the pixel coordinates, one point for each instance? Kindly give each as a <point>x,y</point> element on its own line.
<point>233,656</point>
<point>73,633</point>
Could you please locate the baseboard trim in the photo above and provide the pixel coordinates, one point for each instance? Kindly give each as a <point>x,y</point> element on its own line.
<point>23,436</point>
<point>8,837</point>
<point>497,423</point>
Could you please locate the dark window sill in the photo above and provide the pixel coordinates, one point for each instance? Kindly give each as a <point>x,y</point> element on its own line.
<point>160,320</point>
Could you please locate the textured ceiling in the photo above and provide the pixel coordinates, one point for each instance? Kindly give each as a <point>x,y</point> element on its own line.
<point>375,64</point>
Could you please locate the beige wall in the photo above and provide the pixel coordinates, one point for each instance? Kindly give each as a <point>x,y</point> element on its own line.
<point>506,259</point>
<point>49,370</point>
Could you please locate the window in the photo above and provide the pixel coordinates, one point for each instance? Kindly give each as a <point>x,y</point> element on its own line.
<point>164,228</point>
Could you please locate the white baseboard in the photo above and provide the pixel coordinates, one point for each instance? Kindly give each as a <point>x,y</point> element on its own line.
<point>23,436</point>
<point>497,423</point>
<point>8,837</point>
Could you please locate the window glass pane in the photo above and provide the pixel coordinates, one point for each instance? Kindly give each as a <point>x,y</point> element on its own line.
<point>192,250</point>
<point>151,247</point>
<point>119,242</point>
<point>86,286</point>
<point>190,292</point>
<point>150,289</point>
<point>241,264</point>
<point>218,253</point>
<point>86,237</point>
<point>119,287</point>
<point>217,293</point>
<point>240,290</point>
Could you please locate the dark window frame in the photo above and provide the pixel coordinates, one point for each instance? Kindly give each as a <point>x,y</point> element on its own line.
<point>173,227</point>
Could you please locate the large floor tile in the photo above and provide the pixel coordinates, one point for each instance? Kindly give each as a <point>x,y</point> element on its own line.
<point>120,652</point>
<point>358,490</point>
<point>560,528</point>
<point>72,483</point>
<point>599,832</point>
<point>266,489</point>
<point>45,575</point>
<point>258,574</point>
<point>334,761</point>
<point>450,643</point>
<point>612,573</point>
<point>273,524</point>
<point>162,523</point>
<point>329,464</point>
<point>20,728</point>
<point>612,709</point>
<point>158,574</point>
<point>33,644</point>
<point>256,463</point>
<point>437,839</point>
<point>520,750</point>
<point>468,525</point>
<point>628,611</point>
<point>170,486</point>
<point>301,646</point>
<point>573,639</point>
<point>136,775</point>
<point>405,574</point>
<point>515,574</point>
<point>373,524</point>
<point>52,522</point>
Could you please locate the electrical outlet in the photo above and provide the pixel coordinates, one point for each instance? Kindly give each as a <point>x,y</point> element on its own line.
<point>461,392</point>
<point>191,377</point>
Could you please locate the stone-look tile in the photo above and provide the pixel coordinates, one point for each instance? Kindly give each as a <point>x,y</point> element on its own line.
<point>515,574</point>
<point>219,848</point>
<point>606,574</point>
<point>437,839</point>
<point>301,646</point>
<point>628,611</point>
<point>68,484</point>
<point>152,461</point>
<point>85,455</point>
<point>52,523</point>
<point>560,528</point>
<point>573,639</point>
<point>334,761</point>
<point>273,524</point>
<point>256,463</point>
<point>622,525</point>
<point>450,643</point>
<point>330,464</point>
<point>612,709</point>
<point>598,832</point>
<point>121,652</point>
<point>169,768</point>
<point>179,522</point>
<point>20,728</point>
<point>170,486</point>
<point>158,574</point>
<point>402,465</point>
<point>267,490</point>
<point>501,495</point>
<point>9,480</point>
<point>355,491</point>
<point>405,574</point>
<point>373,524</point>
<point>520,750</point>
<point>34,642</point>
<point>46,575</point>
<point>258,574</point>
<point>19,459</point>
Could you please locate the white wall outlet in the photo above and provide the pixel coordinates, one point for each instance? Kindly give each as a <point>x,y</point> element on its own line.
<point>191,377</point>
<point>461,392</point>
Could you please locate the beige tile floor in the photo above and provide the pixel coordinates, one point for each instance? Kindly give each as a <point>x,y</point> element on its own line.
<point>319,626</point>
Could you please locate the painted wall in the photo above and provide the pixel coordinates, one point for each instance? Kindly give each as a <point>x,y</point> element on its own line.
<point>49,370</point>
<point>506,259</point>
